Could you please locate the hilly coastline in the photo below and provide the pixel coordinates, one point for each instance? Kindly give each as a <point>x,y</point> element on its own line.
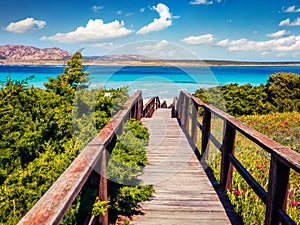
<point>13,54</point>
<point>21,52</point>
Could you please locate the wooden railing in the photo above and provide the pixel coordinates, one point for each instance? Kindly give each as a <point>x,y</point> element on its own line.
<point>149,108</point>
<point>53,205</point>
<point>282,158</point>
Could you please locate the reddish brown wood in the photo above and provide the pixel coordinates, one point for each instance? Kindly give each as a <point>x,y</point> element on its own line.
<point>283,159</point>
<point>206,127</point>
<point>164,105</point>
<point>140,109</point>
<point>180,106</point>
<point>175,108</point>
<point>277,191</point>
<point>52,206</point>
<point>227,148</point>
<point>194,134</point>
<point>186,113</point>
<point>287,156</point>
<point>151,106</point>
<point>103,219</point>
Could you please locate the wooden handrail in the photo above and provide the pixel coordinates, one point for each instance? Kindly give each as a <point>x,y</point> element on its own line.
<point>282,158</point>
<point>149,108</point>
<point>53,205</point>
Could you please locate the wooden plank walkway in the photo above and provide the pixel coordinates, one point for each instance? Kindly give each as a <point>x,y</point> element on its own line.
<point>183,192</point>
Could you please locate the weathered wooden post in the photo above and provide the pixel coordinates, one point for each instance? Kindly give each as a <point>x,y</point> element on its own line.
<point>206,127</point>
<point>186,112</point>
<point>194,134</point>
<point>103,219</point>
<point>174,107</point>
<point>277,191</point>
<point>140,109</point>
<point>181,111</point>
<point>178,106</point>
<point>227,148</point>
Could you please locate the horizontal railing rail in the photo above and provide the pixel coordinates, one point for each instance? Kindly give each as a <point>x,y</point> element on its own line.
<point>282,158</point>
<point>53,205</point>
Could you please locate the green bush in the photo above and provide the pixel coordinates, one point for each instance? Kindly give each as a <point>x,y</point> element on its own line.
<point>280,94</point>
<point>43,130</point>
<point>127,161</point>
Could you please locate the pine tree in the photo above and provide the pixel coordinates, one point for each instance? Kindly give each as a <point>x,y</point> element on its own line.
<point>72,78</point>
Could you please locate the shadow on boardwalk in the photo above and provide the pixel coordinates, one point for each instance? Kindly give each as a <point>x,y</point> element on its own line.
<point>185,192</point>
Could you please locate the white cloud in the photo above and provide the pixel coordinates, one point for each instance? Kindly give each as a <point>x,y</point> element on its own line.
<point>163,22</point>
<point>204,2</point>
<point>160,49</point>
<point>288,22</point>
<point>203,39</point>
<point>96,8</point>
<point>278,34</point>
<point>142,10</point>
<point>292,9</point>
<point>284,44</point>
<point>201,2</point>
<point>155,47</point>
<point>284,22</point>
<point>103,45</point>
<point>282,54</point>
<point>94,31</point>
<point>129,14</point>
<point>119,12</point>
<point>25,26</point>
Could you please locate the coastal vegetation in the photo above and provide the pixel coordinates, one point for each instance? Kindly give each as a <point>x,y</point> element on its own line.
<point>42,132</point>
<point>272,109</point>
<point>281,93</point>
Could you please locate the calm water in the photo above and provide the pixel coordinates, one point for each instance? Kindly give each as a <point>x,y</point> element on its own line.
<point>164,81</point>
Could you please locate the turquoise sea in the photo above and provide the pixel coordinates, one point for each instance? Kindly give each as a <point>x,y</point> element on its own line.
<point>164,81</point>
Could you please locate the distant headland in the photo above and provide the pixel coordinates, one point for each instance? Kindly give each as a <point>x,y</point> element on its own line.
<point>29,55</point>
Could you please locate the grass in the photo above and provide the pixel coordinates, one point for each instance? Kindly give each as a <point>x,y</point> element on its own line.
<point>283,128</point>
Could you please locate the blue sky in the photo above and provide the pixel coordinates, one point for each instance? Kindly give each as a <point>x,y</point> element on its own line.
<point>257,30</point>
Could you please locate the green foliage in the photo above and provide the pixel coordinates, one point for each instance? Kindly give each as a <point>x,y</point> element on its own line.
<point>42,131</point>
<point>280,94</point>
<point>281,127</point>
<point>127,161</point>
<point>284,91</point>
<point>130,196</point>
<point>72,78</point>
<point>137,129</point>
<point>100,207</point>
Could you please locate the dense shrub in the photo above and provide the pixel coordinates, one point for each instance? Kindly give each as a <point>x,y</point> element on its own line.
<point>42,131</point>
<point>280,94</point>
<point>127,161</point>
<point>261,107</point>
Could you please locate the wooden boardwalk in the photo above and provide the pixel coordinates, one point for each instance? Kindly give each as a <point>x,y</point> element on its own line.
<point>183,192</point>
<point>186,193</point>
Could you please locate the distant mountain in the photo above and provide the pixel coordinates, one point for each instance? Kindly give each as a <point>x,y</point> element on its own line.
<point>124,57</point>
<point>20,52</point>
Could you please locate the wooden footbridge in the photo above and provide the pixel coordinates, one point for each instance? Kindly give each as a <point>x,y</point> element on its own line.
<point>185,189</point>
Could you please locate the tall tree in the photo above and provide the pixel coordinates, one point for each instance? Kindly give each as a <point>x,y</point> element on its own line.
<point>72,78</point>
